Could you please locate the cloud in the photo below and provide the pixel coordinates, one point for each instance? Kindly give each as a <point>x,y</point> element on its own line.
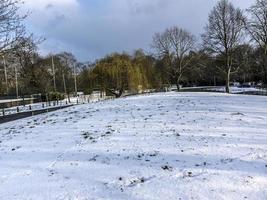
<point>93,28</point>
<point>40,4</point>
<point>45,19</point>
<point>44,11</point>
<point>48,6</point>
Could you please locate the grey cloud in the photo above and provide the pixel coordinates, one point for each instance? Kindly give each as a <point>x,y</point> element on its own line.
<point>116,26</point>
<point>49,6</point>
<point>56,21</point>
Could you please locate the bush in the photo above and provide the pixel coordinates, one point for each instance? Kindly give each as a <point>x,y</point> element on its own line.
<point>54,96</point>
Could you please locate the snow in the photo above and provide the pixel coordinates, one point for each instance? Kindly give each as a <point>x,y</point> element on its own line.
<point>31,107</point>
<point>236,90</point>
<point>159,146</point>
<point>53,104</point>
<point>14,100</point>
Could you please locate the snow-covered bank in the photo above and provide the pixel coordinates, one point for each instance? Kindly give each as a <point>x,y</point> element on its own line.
<point>53,104</point>
<point>160,146</point>
<point>236,90</point>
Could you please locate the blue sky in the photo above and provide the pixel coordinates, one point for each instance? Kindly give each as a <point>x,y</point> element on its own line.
<point>93,28</point>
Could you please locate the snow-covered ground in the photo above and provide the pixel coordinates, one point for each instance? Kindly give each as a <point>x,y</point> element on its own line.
<point>31,107</point>
<point>15,100</point>
<point>160,146</point>
<point>44,105</point>
<point>236,90</point>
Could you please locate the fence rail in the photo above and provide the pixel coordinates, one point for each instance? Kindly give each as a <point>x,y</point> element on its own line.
<point>13,117</point>
<point>18,112</point>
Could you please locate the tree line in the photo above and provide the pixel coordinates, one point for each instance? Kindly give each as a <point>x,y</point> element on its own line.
<point>233,48</point>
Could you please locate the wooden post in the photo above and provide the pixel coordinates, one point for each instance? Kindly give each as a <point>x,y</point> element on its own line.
<point>75,79</point>
<point>23,100</point>
<point>64,84</point>
<point>49,103</point>
<point>46,99</point>
<point>54,74</point>
<point>32,99</point>
<point>16,80</point>
<point>5,75</point>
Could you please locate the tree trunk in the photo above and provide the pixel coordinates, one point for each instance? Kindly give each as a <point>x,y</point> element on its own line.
<point>178,86</point>
<point>264,67</point>
<point>178,83</point>
<point>116,94</point>
<point>265,64</point>
<point>227,87</point>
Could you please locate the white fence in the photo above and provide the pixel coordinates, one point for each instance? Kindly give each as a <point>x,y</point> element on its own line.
<point>82,99</point>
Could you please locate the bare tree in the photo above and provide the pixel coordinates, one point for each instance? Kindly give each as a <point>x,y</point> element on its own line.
<point>24,56</point>
<point>175,45</point>
<point>223,34</point>
<point>257,27</point>
<point>67,61</point>
<point>11,26</point>
<point>257,23</point>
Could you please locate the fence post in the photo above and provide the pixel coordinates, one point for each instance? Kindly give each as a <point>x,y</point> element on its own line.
<point>23,100</point>
<point>31,99</point>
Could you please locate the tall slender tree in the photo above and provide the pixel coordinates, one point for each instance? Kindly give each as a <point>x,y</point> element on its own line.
<point>11,26</point>
<point>257,27</point>
<point>223,34</point>
<point>174,46</point>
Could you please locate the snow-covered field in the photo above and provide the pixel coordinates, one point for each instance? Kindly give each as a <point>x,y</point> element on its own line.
<point>160,146</point>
